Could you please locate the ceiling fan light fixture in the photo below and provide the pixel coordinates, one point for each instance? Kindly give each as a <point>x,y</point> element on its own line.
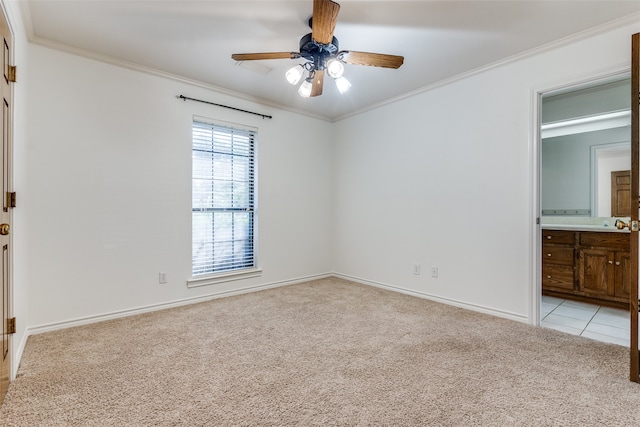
<point>322,52</point>
<point>342,84</point>
<point>294,74</point>
<point>305,88</point>
<point>335,68</point>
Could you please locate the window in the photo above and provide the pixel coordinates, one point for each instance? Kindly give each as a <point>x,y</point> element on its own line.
<point>223,206</point>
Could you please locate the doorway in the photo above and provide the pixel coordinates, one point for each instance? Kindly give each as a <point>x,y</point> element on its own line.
<point>584,145</point>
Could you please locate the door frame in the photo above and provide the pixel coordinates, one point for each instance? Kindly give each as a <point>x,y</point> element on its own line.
<point>634,357</point>
<point>536,164</point>
<point>596,153</point>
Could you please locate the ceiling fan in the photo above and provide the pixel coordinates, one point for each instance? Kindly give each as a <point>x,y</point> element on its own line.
<point>320,49</point>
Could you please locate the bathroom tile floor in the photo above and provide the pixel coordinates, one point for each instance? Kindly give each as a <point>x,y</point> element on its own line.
<point>592,321</point>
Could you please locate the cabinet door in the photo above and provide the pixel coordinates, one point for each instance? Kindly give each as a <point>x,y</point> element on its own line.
<point>623,274</point>
<point>597,272</point>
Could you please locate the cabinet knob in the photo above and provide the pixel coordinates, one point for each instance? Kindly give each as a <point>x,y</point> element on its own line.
<point>617,262</point>
<point>610,262</point>
<point>549,237</point>
<point>548,277</point>
<point>548,254</point>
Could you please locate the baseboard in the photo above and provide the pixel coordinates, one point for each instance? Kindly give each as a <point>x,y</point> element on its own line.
<point>33,330</point>
<point>17,355</point>
<point>38,329</point>
<point>448,301</point>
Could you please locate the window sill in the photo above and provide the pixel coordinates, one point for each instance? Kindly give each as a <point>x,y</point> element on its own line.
<point>227,276</point>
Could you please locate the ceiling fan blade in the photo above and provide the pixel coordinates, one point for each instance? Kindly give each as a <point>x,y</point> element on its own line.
<point>324,18</point>
<point>372,59</point>
<point>265,55</point>
<point>318,80</point>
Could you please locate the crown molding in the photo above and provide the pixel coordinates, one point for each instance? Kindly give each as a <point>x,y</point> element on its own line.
<point>163,74</point>
<point>574,38</point>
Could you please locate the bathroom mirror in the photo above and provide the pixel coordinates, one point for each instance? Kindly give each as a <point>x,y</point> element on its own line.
<point>585,141</point>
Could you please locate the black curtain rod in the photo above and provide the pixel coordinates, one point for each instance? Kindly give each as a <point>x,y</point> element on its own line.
<point>186,98</point>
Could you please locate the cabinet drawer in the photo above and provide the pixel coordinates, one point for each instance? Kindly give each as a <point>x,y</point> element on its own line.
<point>557,276</point>
<point>558,255</point>
<point>608,240</point>
<point>558,236</point>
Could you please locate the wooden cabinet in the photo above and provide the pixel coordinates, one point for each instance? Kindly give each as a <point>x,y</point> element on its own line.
<point>623,273</point>
<point>558,260</point>
<point>596,273</point>
<point>586,265</point>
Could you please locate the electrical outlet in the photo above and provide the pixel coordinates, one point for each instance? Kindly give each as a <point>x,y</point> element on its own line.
<point>416,269</point>
<point>162,277</point>
<point>434,271</point>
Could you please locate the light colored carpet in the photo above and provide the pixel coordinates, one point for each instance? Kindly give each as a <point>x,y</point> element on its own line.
<point>327,352</point>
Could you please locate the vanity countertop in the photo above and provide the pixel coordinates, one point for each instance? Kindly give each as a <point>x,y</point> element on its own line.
<point>583,227</point>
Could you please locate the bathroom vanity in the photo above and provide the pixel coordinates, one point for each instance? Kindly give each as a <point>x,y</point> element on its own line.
<point>586,264</point>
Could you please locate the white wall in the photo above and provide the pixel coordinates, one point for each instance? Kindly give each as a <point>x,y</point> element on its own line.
<point>109,161</point>
<point>444,178</point>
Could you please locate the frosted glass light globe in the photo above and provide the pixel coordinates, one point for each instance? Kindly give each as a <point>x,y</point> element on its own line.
<point>294,74</point>
<point>335,68</point>
<point>305,89</point>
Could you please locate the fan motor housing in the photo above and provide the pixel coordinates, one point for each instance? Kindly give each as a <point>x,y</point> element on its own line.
<point>317,52</point>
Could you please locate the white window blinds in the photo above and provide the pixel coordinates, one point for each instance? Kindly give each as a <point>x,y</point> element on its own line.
<point>223,211</point>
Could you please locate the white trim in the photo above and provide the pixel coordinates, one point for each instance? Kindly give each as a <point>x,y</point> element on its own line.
<point>535,267</point>
<point>535,213</point>
<point>473,307</point>
<point>18,354</point>
<point>590,32</point>
<point>48,327</point>
<point>163,74</point>
<point>622,148</point>
<point>251,206</point>
<point>230,125</point>
<point>227,276</point>
<point>574,38</point>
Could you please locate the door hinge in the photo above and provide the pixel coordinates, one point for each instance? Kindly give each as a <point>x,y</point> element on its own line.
<point>11,325</point>
<point>12,73</point>
<point>11,199</point>
<point>635,226</point>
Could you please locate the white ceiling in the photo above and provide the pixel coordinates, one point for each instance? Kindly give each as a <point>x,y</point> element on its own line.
<point>195,40</point>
